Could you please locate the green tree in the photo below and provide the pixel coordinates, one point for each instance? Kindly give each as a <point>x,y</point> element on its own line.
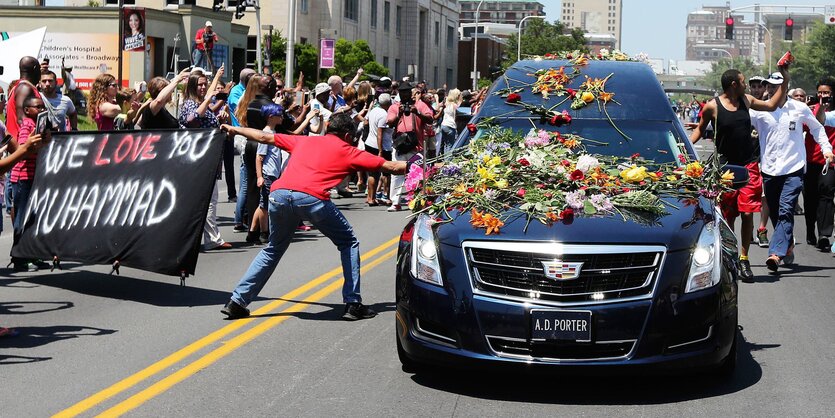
<point>350,56</point>
<point>541,37</point>
<point>305,58</point>
<point>814,59</point>
<point>277,50</point>
<point>713,78</point>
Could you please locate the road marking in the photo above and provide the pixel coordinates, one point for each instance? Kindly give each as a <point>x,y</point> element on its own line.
<point>235,343</point>
<point>198,345</point>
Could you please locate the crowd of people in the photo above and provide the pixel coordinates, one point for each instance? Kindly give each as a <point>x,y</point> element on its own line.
<point>785,139</point>
<point>377,110</point>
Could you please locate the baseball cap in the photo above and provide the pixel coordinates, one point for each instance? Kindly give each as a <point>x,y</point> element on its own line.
<point>208,23</point>
<point>385,81</point>
<point>775,78</point>
<point>756,79</point>
<point>321,88</point>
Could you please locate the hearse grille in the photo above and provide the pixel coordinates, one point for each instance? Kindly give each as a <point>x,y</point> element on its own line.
<point>607,272</point>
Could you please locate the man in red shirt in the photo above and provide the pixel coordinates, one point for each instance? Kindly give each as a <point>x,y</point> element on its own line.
<point>302,193</point>
<point>204,44</point>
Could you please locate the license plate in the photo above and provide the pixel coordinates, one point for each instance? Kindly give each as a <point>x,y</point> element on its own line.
<point>550,325</point>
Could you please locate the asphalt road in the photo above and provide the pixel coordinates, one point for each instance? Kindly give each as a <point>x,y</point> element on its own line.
<point>140,344</point>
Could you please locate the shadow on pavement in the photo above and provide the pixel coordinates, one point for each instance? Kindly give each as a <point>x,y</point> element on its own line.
<point>334,312</point>
<point>577,389</point>
<point>30,337</point>
<point>128,288</point>
<point>23,308</point>
<point>8,360</point>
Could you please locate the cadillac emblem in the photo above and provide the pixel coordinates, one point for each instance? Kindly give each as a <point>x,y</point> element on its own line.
<point>560,270</point>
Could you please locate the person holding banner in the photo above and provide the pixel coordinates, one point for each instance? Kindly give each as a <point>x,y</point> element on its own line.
<point>301,193</point>
<point>196,114</point>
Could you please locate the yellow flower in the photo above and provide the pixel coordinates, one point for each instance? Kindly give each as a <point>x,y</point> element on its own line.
<point>461,188</point>
<point>485,173</point>
<point>634,174</point>
<point>502,184</point>
<point>694,170</point>
<point>672,178</point>
<point>587,97</point>
<point>727,177</point>
<point>495,161</point>
<point>412,204</point>
<point>653,176</point>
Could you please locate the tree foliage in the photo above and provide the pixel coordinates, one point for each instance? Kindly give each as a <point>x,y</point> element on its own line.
<point>305,58</point>
<point>540,37</point>
<point>350,56</point>
<point>814,59</point>
<point>713,78</point>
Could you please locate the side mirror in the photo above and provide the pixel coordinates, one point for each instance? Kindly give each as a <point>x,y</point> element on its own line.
<point>740,175</point>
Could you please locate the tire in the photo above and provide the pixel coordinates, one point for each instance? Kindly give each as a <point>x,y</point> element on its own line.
<point>727,367</point>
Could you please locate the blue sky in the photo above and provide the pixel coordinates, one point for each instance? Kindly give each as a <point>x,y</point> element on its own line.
<point>657,27</point>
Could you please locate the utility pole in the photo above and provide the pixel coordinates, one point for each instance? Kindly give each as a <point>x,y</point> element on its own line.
<point>291,45</point>
<point>119,40</point>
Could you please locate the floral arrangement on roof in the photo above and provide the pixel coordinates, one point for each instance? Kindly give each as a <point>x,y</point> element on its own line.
<point>549,177</point>
<point>579,56</point>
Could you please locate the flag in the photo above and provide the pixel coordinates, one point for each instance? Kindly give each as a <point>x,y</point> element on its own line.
<point>240,8</point>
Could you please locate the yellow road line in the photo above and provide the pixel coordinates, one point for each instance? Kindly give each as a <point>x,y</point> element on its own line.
<point>227,348</point>
<point>192,348</point>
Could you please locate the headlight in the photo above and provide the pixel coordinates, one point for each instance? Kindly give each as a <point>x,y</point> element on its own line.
<point>425,265</point>
<point>704,267</point>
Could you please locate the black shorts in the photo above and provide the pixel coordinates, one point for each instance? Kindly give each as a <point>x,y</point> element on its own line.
<point>374,151</point>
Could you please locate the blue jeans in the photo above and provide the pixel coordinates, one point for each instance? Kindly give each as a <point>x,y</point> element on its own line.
<point>287,208</point>
<point>240,205</point>
<point>21,190</point>
<point>447,139</point>
<point>781,193</point>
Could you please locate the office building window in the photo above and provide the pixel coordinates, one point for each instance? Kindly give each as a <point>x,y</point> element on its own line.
<point>396,68</point>
<point>449,77</point>
<point>373,13</point>
<point>387,16</point>
<point>398,19</point>
<point>352,10</point>
<point>386,62</point>
<point>450,37</point>
<point>304,6</point>
<point>437,33</point>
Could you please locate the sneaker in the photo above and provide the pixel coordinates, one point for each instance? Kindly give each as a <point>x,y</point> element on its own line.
<point>252,237</point>
<point>344,193</point>
<point>394,208</point>
<point>762,238</point>
<point>811,240</point>
<point>232,199</point>
<point>303,228</point>
<point>789,258</point>
<point>240,228</point>
<point>823,244</point>
<point>40,264</point>
<point>356,311</point>
<point>234,311</point>
<point>24,266</point>
<point>772,262</point>
<point>265,237</point>
<point>745,273</point>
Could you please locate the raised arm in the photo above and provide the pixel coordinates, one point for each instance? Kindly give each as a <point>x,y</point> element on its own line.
<point>775,101</point>
<point>250,134</point>
<point>165,94</point>
<point>355,79</point>
<point>201,110</point>
<point>708,114</point>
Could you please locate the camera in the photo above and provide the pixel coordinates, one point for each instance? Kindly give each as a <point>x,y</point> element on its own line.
<point>826,100</point>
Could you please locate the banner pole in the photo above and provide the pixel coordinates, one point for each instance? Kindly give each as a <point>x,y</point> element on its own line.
<point>119,39</point>
<point>258,39</point>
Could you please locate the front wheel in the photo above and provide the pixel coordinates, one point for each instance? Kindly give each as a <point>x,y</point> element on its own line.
<point>408,364</point>
<point>728,365</point>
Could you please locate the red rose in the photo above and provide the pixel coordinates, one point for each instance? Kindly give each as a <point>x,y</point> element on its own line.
<point>524,162</point>
<point>599,56</point>
<point>577,175</point>
<point>635,156</point>
<point>565,163</point>
<point>557,136</point>
<point>569,56</point>
<point>568,213</point>
<point>513,98</point>
<point>521,193</point>
<point>555,120</point>
<point>626,190</point>
<point>566,118</point>
<point>571,93</point>
<point>540,186</point>
<point>549,195</point>
<point>470,190</point>
<point>472,128</point>
<point>682,158</point>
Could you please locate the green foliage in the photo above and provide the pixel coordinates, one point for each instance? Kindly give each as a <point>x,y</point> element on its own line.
<point>814,59</point>
<point>278,50</point>
<point>540,37</point>
<point>305,57</point>
<point>713,78</point>
<point>350,56</point>
<point>484,82</point>
<point>93,3</point>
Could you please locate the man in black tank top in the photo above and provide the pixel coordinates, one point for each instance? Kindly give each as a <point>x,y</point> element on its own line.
<point>732,124</point>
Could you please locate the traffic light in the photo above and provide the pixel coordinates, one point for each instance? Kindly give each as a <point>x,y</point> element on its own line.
<point>787,36</point>
<point>729,28</point>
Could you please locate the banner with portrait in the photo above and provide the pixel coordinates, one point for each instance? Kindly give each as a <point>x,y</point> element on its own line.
<point>133,32</point>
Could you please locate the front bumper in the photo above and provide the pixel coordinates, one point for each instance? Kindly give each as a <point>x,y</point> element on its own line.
<point>451,325</point>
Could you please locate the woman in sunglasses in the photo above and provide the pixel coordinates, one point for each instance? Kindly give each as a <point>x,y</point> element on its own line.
<point>102,104</point>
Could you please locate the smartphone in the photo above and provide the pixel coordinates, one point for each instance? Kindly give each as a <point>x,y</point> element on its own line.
<point>315,106</point>
<point>299,98</point>
<point>5,140</point>
<point>222,96</point>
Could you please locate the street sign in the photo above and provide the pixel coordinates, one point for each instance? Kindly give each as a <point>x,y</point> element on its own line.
<point>829,15</point>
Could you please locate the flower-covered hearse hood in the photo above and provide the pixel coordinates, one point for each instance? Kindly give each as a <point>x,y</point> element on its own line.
<point>552,182</point>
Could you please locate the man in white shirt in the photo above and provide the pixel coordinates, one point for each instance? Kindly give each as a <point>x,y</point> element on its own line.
<point>378,143</point>
<point>320,99</point>
<point>782,163</point>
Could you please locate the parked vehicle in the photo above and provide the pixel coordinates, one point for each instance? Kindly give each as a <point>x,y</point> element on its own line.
<point>602,291</point>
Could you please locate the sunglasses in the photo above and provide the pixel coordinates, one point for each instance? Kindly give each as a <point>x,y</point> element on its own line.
<point>38,106</point>
<point>112,85</point>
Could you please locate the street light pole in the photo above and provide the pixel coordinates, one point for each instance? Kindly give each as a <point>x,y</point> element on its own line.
<point>727,52</point>
<point>291,45</point>
<point>475,46</point>
<point>770,41</point>
<point>519,35</point>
